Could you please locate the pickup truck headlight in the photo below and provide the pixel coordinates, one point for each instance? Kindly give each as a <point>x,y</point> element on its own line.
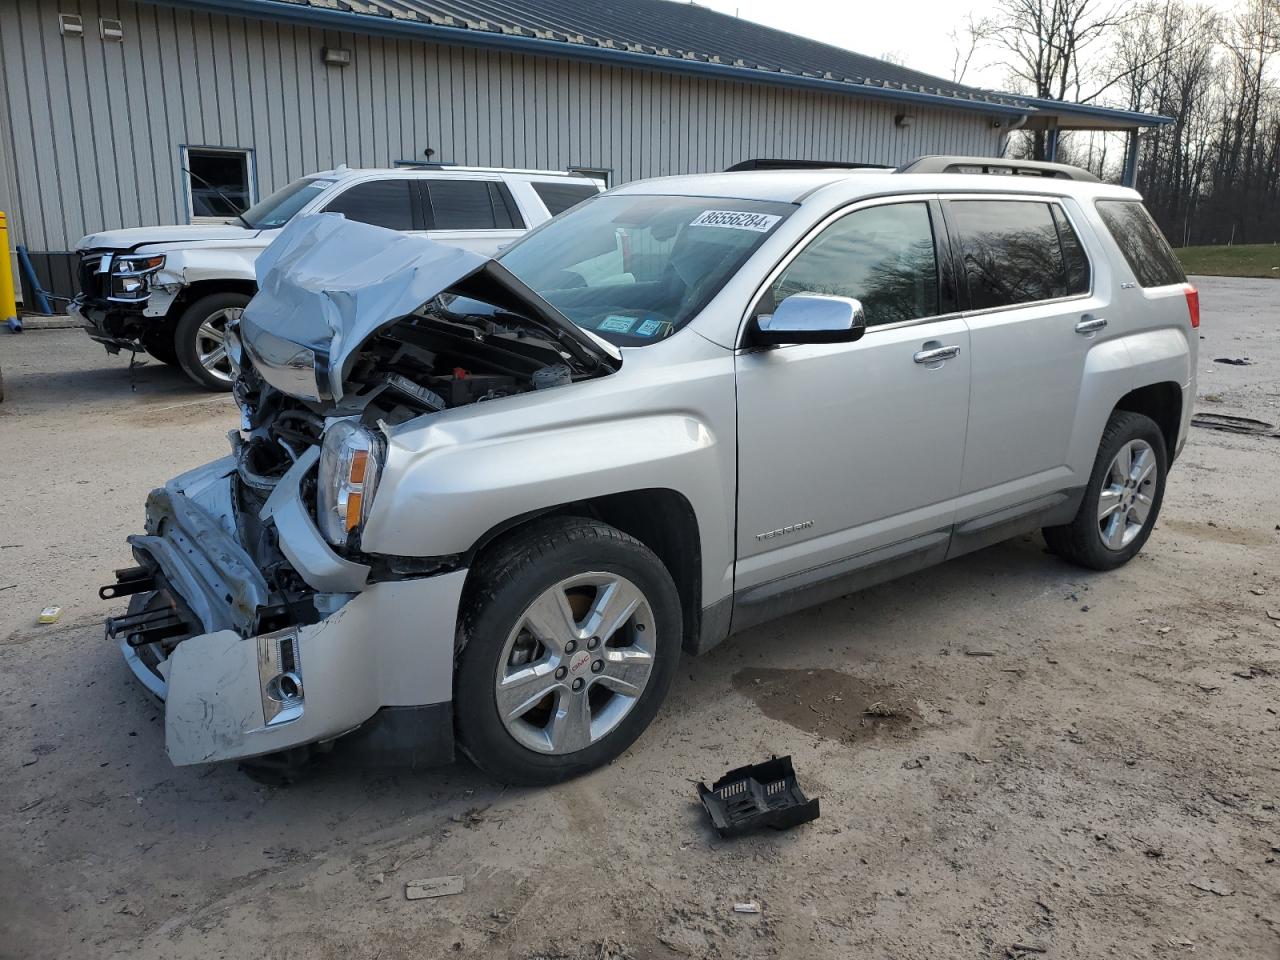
<point>131,276</point>
<point>349,465</point>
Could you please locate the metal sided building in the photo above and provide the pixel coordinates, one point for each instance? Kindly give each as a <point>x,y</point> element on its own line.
<point>107,107</point>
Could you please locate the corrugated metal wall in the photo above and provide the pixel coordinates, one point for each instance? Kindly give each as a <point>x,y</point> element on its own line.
<point>95,127</point>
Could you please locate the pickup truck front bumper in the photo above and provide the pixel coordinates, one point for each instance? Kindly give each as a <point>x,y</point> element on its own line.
<point>116,326</point>
<point>380,656</point>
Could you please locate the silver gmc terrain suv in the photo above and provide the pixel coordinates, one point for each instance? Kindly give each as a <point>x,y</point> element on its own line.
<point>488,502</point>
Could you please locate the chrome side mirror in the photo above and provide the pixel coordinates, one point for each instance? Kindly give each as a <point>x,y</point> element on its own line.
<point>812,318</point>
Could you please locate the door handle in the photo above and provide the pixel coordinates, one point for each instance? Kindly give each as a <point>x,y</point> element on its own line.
<point>935,354</point>
<point>1090,324</point>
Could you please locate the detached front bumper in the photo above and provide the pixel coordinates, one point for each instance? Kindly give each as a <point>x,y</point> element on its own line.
<point>381,658</point>
<point>117,327</point>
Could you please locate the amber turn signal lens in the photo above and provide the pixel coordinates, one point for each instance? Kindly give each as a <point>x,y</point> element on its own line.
<point>353,510</point>
<point>359,463</point>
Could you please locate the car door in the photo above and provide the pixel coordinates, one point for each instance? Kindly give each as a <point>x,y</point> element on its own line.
<point>1033,317</point>
<point>849,454</point>
<point>477,215</point>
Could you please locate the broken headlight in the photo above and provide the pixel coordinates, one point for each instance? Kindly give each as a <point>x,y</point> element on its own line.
<point>131,276</point>
<point>349,464</point>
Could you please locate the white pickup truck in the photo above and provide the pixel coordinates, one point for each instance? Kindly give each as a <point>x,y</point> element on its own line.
<point>171,290</point>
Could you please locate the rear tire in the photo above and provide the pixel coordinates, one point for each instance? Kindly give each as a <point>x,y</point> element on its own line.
<point>198,338</point>
<point>1122,501</point>
<point>574,627</point>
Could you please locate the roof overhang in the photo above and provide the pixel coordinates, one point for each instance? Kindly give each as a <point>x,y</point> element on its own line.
<point>1061,115</point>
<point>1039,113</point>
<point>391,26</point>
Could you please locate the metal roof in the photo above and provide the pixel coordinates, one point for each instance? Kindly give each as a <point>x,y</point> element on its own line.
<point>658,34</point>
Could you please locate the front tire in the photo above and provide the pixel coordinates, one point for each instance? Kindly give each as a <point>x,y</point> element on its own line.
<point>199,339</point>
<point>1122,501</point>
<point>570,640</point>
<point>160,344</point>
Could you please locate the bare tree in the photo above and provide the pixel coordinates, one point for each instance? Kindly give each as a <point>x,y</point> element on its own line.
<point>1212,175</point>
<point>968,38</point>
<point>1043,43</point>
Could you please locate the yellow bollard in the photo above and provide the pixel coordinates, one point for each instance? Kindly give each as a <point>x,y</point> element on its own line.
<point>8,305</point>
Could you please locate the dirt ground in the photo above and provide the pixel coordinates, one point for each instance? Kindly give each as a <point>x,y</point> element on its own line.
<point>1075,765</point>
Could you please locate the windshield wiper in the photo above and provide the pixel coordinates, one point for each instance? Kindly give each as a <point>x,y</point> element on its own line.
<point>222,196</point>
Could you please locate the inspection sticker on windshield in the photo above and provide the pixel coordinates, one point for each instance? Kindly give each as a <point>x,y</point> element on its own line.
<point>617,324</point>
<point>736,220</point>
<point>651,327</point>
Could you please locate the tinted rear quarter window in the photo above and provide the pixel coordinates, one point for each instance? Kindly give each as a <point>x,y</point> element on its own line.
<point>383,203</point>
<point>1075,260</point>
<point>471,205</point>
<point>1017,251</point>
<point>559,197</point>
<point>1141,242</point>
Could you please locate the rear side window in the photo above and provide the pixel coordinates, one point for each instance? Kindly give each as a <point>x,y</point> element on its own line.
<point>472,205</point>
<point>1017,251</point>
<point>383,203</point>
<point>559,197</point>
<point>1075,262</point>
<point>1141,242</point>
<point>883,256</point>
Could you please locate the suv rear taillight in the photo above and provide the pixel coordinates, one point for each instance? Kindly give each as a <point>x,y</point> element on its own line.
<point>1193,304</point>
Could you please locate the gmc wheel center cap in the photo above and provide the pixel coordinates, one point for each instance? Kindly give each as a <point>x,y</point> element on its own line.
<point>580,663</point>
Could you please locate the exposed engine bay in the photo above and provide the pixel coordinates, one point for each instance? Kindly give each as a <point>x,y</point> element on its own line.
<point>450,352</point>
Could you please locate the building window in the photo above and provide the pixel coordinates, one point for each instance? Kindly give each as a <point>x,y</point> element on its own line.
<point>219,182</point>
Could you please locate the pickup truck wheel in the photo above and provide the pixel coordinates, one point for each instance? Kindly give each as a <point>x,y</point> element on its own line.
<point>159,343</point>
<point>199,338</point>
<point>1122,501</point>
<point>570,641</point>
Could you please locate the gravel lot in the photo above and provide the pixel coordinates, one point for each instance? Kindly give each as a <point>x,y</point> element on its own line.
<point>1079,765</point>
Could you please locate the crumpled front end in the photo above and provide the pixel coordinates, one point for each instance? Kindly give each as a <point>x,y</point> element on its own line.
<point>282,642</point>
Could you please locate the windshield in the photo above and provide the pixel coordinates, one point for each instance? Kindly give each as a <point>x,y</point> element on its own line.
<point>634,269</point>
<point>279,208</point>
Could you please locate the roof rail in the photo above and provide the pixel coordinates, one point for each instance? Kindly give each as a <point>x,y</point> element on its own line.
<point>1016,168</point>
<point>437,165</point>
<point>766,163</point>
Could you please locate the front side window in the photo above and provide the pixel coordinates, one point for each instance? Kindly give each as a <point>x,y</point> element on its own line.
<point>1141,242</point>
<point>634,269</point>
<point>882,256</point>
<point>1013,252</point>
<point>383,203</point>
<point>281,207</point>
<point>219,182</point>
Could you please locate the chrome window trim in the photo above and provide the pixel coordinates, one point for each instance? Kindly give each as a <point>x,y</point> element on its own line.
<point>814,232</point>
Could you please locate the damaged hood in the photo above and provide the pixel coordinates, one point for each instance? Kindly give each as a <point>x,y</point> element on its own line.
<point>135,237</point>
<point>327,284</point>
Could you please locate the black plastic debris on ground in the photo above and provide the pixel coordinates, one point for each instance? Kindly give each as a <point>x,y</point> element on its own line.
<point>761,795</point>
<point>1230,424</point>
<point>1234,361</point>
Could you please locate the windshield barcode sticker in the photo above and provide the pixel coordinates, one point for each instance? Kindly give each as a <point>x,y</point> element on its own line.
<point>736,220</point>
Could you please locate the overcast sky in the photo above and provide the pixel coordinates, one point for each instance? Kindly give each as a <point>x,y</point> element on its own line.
<point>920,40</point>
<point>914,32</point>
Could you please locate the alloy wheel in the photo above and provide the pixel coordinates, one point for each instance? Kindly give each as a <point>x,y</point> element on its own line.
<point>1128,491</point>
<point>576,663</point>
<point>211,345</point>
